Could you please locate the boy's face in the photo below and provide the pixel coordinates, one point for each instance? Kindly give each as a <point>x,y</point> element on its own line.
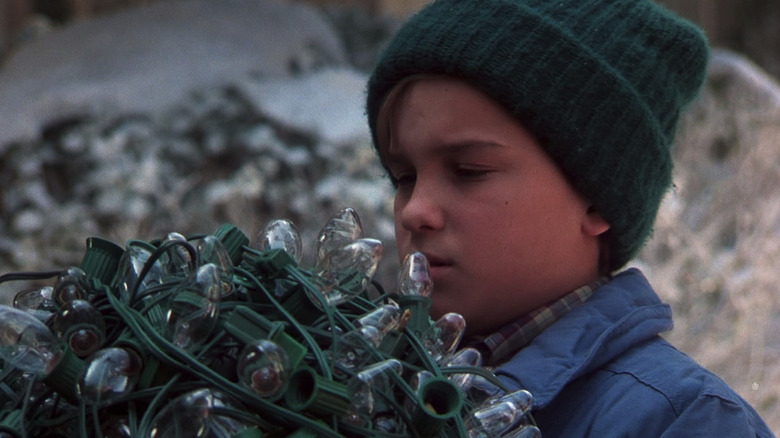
<point>503,230</point>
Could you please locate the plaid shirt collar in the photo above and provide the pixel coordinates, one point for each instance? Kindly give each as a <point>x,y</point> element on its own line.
<point>499,346</point>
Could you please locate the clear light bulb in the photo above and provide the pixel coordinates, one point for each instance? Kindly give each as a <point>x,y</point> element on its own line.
<point>521,399</point>
<point>386,422</point>
<point>384,318</point>
<point>415,278</point>
<point>213,251</point>
<point>281,234</point>
<point>130,266</point>
<point>263,366</point>
<point>491,420</point>
<point>193,414</point>
<point>193,308</point>
<point>416,381</point>
<point>179,260</point>
<point>81,326</point>
<point>353,349</point>
<point>443,336</point>
<point>11,423</point>
<point>465,357</point>
<point>340,230</point>
<point>524,431</point>
<point>71,284</point>
<point>482,390</point>
<point>348,270</point>
<point>111,373</point>
<point>26,343</point>
<point>366,386</point>
<point>37,302</point>
<point>419,378</point>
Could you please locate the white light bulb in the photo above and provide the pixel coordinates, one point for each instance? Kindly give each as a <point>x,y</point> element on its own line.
<point>194,307</point>
<point>26,343</point>
<point>384,318</point>
<point>443,336</point>
<point>213,251</point>
<point>195,414</point>
<point>37,302</point>
<point>263,366</point>
<point>130,267</point>
<point>71,284</point>
<point>366,386</point>
<point>347,271</point>
<point>110,374</point>
<point>466,357</point>
<point>281,234</point>
<point>353,349</point>
<point>415,278</point>
<point>341,230</point>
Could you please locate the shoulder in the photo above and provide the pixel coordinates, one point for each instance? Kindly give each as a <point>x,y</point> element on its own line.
<point>651,390</point>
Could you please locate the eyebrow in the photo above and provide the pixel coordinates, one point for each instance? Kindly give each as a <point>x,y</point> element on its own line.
<point>448,148</point>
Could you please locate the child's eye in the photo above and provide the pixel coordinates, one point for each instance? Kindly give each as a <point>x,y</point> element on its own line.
<point>400,179</point>
<point>404,179</point>
<point>469,173</point>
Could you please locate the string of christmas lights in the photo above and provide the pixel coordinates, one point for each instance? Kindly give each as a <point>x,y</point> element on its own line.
<point>216,336</point>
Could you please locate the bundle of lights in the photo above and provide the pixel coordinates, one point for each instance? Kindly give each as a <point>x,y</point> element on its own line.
<point>211,336</point>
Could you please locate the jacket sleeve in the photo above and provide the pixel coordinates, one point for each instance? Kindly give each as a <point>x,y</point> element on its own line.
<point>712,416</point>
<point>608,404</point>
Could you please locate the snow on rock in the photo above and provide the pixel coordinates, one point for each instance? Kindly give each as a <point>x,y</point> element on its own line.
<point>147,58</point>
<point>716,244</point>
<point>314,104</point>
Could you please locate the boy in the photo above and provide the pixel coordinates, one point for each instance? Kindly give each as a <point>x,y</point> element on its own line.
<point>529,142</point>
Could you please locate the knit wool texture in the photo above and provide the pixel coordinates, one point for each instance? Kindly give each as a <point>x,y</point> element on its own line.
<point>600,83</point>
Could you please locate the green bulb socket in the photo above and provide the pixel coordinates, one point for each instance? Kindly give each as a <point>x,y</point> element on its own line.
<point>64,377</point>
<point>101,259</point>
<point>302,307</point>
<point>439,400</point>
<point>11,423</point>
<point>420,308</point>
<point>393,345</point>
<point>272,262</point>
<point>234,241</point>
<point>310,392</point>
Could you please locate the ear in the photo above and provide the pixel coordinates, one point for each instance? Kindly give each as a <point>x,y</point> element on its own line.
<point>593,224</point>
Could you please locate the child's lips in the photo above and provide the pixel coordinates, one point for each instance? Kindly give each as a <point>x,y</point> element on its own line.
<point>438,266</point>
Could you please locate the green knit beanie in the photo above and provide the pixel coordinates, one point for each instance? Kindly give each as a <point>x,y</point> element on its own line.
<point>600,83</point>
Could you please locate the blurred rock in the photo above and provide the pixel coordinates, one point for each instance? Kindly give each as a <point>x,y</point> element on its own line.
<point>147,58</point>
<point>315,104</point>
<point>715,251</point>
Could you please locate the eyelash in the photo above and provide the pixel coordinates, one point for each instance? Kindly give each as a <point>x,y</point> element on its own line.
<point>461,173</point>
<point>402,179</point>
<point>471,173</point>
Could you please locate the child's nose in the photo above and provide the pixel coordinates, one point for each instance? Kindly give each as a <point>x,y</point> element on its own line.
<point>423,211</point>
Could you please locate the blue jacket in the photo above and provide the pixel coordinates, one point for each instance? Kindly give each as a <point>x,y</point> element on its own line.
<point>604,371</point>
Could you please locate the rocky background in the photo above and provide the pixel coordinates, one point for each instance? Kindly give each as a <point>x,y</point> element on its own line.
<point>174,117</point>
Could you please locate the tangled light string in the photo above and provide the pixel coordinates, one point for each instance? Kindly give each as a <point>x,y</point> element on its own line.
<point>209,336</point>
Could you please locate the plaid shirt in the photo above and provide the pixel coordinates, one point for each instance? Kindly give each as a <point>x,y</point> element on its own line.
<point>499,346</point>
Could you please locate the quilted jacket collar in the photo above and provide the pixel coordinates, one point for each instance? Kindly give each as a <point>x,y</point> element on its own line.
<point>620,314</point>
